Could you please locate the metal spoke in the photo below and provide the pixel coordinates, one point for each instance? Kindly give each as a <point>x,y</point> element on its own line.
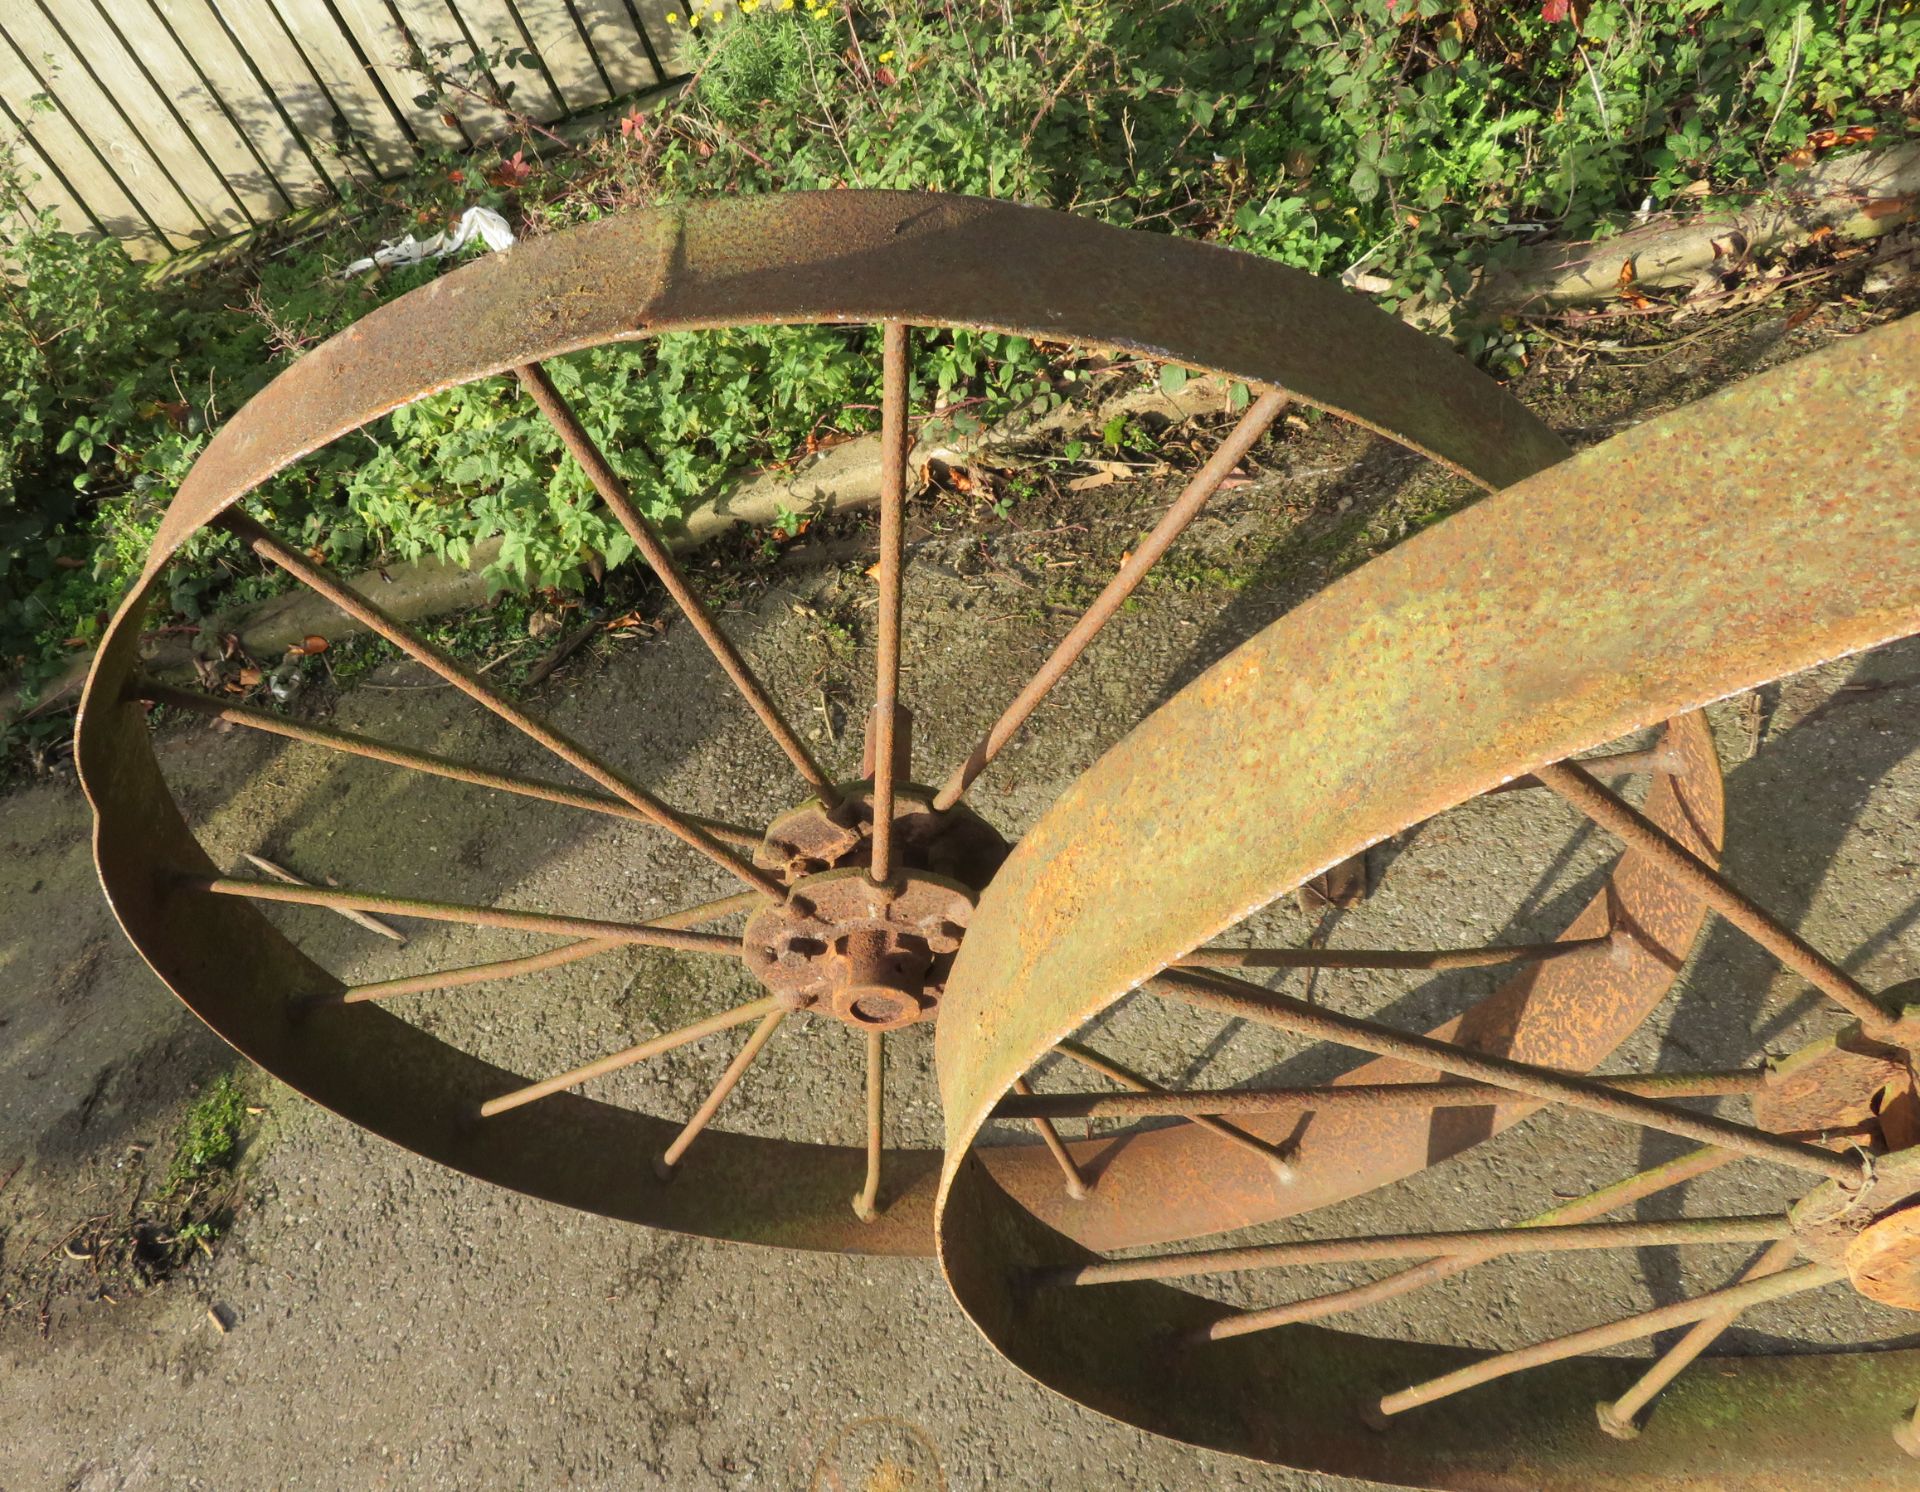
<point>508,968</point>
<point>1154,1102</point>
<point>1733,1297</point>
<point>653,1047</point>
<point>1386,958</point>
<point>1613,813</point>
<point>446,911</point>
<point>613,492</point>
<point>1643,1184</point>
<point>1127,1078</point>
<point>736,1069</point>
<point>1617,1417</point>
<point>864,1206</point>
<point>1253,424</point>
<point>422,761</point>
<point>1236,998</point>
<point>1070,1173</point>
<point>274,550</point>
<point>885,719</point>
<point>1479,1242</point>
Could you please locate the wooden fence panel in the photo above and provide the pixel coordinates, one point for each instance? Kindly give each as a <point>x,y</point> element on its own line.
<point>374,119</point>
<point>233,82</point>
<point>561,43</point>
<point>178,121</point>
<point>178,154</point>
<point>613,26</point>
<point>80,136</point>
<point>497,27</point>
<point>47,188</point>
<point>201,125</point>
<point>434,31</point>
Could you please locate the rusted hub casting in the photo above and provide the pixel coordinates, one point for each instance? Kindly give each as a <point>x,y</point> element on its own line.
<point>1762,531</point>
<point>1854,1092</point>
<point>899,261</point>
<point>873,955</point>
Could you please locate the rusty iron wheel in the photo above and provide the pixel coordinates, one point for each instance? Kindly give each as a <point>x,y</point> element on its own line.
<point>860,896</point>
<point>1760,532</point>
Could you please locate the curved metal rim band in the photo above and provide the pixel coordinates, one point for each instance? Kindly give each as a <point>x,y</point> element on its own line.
<point>817,257</point>
<point>1764,530</point>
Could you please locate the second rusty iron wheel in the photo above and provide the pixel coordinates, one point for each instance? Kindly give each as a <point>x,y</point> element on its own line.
<point>1768,529</point>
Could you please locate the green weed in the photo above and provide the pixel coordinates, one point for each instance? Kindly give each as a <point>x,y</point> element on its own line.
<point>1419,140</point>
<point>210,1135</point>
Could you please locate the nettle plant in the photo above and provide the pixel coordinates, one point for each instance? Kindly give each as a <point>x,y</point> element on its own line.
<point>676,415</point>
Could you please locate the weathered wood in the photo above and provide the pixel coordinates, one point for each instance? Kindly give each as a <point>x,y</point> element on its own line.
<point>46,189</point>
<point>121,69</point>
<point>87,171</point>
<point>235,83</point>
<point>435,30</point>
<point>175,122</point>
<point>370,27</point>
<point>616,39</point>
<point>298,114</point>
<point>563,45</point>
<point>494,24</point>
<point>1859,196</point>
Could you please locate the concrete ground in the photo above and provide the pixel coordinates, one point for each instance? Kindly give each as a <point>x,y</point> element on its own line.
<point>386,1322</point>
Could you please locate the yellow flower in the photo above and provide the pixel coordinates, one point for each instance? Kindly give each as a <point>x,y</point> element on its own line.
<point>886,57</point>
<point>786,4</point>
<point>673,18</point>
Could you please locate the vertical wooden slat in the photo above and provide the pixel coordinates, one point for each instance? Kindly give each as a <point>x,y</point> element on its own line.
<point>123,72</point>
<point>618,42</point>
<point>381,40</point>
<point>176,120</point>
<point>563,46</point>
<point>238,74</point>
<point>89,174</point>
<point>436,32</point>
<point>494,24</point>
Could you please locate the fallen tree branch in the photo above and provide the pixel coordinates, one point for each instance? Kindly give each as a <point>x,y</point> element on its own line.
<point>1855,197</point>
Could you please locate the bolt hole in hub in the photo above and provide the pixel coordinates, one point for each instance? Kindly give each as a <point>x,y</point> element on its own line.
<point>873,956</point>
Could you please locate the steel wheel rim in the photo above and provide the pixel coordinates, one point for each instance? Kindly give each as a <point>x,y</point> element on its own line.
<point>1824,448</point>
<point>843,257</point>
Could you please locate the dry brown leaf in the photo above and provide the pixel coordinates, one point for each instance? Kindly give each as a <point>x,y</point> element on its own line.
<point>1091,481</point>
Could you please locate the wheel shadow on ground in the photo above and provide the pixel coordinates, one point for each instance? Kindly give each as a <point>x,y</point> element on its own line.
<point>112,1056</point>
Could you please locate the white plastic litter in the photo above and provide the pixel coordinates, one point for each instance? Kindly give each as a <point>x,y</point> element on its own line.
<point>482,223</point>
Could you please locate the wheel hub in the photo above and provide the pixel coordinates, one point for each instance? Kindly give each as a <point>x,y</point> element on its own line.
<point>874,956</point>
<point>1854,1091</point>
